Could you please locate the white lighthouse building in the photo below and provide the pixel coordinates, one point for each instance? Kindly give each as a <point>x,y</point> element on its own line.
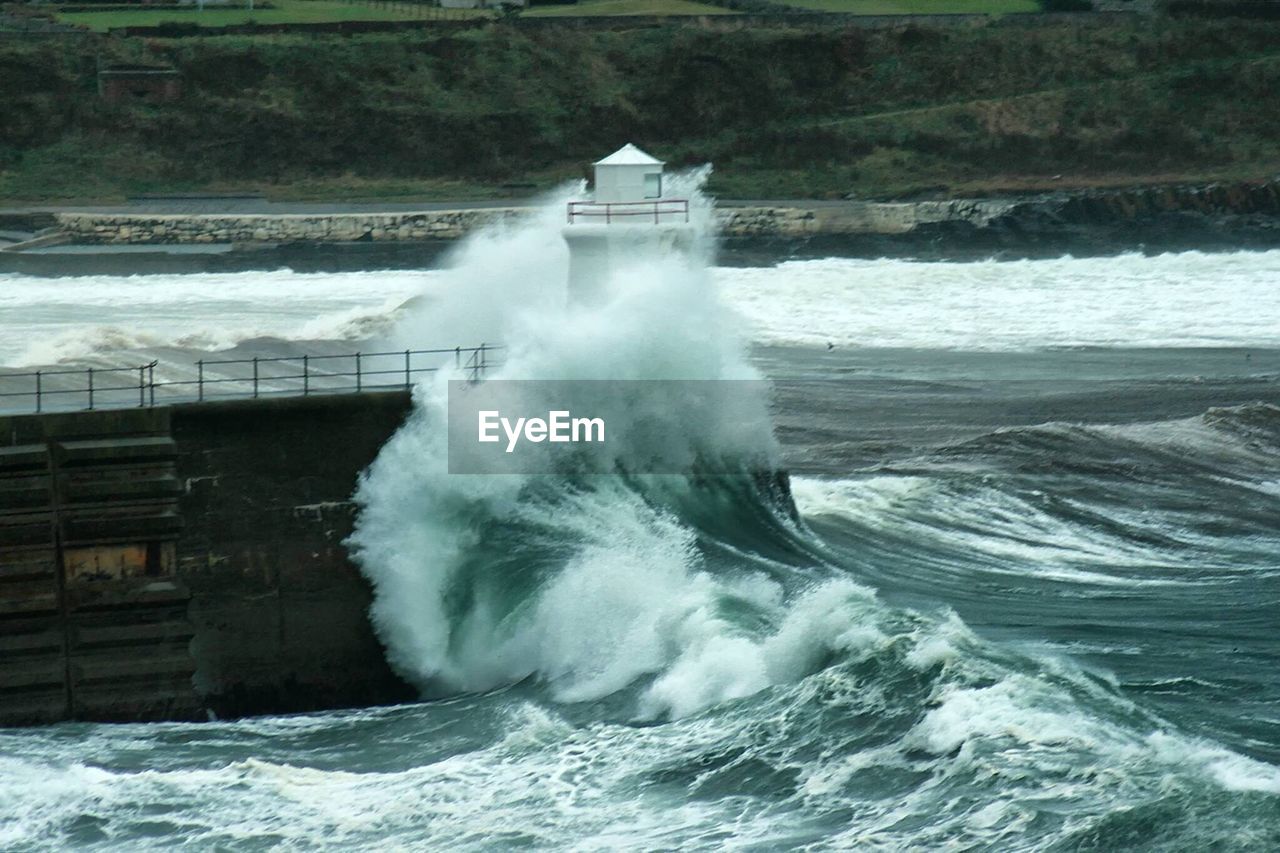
<point>626,217</point>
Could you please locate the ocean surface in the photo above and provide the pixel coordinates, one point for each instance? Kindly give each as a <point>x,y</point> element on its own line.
<point>1024,593</point>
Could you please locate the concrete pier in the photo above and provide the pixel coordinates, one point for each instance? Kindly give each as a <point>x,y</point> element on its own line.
<point>186,562</point>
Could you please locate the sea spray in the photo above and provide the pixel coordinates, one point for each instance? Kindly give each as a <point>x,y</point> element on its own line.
<point>592,584</point>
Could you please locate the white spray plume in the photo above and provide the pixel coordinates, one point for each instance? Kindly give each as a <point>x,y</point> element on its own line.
<point>486,580</point>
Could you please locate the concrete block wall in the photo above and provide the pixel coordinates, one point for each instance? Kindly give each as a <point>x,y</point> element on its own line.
<point>93,620</point>
<point>178,563</point>
<point>279,610</point>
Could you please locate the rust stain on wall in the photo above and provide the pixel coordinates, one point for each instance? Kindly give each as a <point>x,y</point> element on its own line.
<point>117,562</point>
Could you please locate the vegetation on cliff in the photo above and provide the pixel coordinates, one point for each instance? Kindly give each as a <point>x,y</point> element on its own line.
<point>800,111</point>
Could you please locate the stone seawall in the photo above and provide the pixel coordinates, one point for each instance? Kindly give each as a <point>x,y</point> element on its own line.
<point>279,228</point>
<point>1171,217</point>
<point>757,221</point>
<point>855,217</point>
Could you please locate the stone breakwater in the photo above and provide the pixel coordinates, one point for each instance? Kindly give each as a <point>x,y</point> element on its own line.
<point>855,217</point>
<point>1126,215</point>
<point>143,228</point>
<point>148,228</point>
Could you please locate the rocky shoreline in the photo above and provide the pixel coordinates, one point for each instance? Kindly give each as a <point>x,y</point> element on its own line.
<point>1213,217</point>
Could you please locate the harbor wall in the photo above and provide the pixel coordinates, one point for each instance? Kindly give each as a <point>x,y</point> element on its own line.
<point>187,562</point>
<point>1010,220</point>
<point>747,221</point>
<point>148,228</point>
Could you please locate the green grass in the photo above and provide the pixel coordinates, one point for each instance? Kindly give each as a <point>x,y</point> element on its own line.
<point>627,7</point>
<point>917,7</point>
<point>283,12</point>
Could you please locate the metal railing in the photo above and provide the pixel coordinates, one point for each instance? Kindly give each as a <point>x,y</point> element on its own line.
<point>220,379</point>
<point>611,210</point>
<point>93,389</point>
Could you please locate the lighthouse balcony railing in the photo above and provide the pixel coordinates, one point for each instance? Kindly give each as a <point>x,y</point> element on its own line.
<point>658,211</point>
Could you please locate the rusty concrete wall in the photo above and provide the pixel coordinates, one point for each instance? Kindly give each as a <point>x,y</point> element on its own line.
<point>93,620</point>
<point>183,562</point>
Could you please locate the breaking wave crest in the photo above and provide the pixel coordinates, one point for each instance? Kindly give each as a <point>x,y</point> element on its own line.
<point>592,585</point>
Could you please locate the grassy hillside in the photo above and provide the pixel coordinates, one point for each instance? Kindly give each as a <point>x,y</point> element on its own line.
<point>818,112</point>
<point>280,12</point>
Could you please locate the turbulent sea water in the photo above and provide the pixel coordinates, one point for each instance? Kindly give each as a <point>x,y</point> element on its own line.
<point>1028,596</point>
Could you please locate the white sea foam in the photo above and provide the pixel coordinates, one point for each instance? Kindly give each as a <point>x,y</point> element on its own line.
<point>1183,299</point>
<point>994,750</point>
<point>1232,771</point>
<point>47,321</point>
<point>1016,535</point>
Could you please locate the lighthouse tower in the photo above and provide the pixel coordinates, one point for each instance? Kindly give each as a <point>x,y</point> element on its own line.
<point>628,217</point>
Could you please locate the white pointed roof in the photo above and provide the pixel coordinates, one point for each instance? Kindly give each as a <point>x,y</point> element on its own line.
<point>629,155</point>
